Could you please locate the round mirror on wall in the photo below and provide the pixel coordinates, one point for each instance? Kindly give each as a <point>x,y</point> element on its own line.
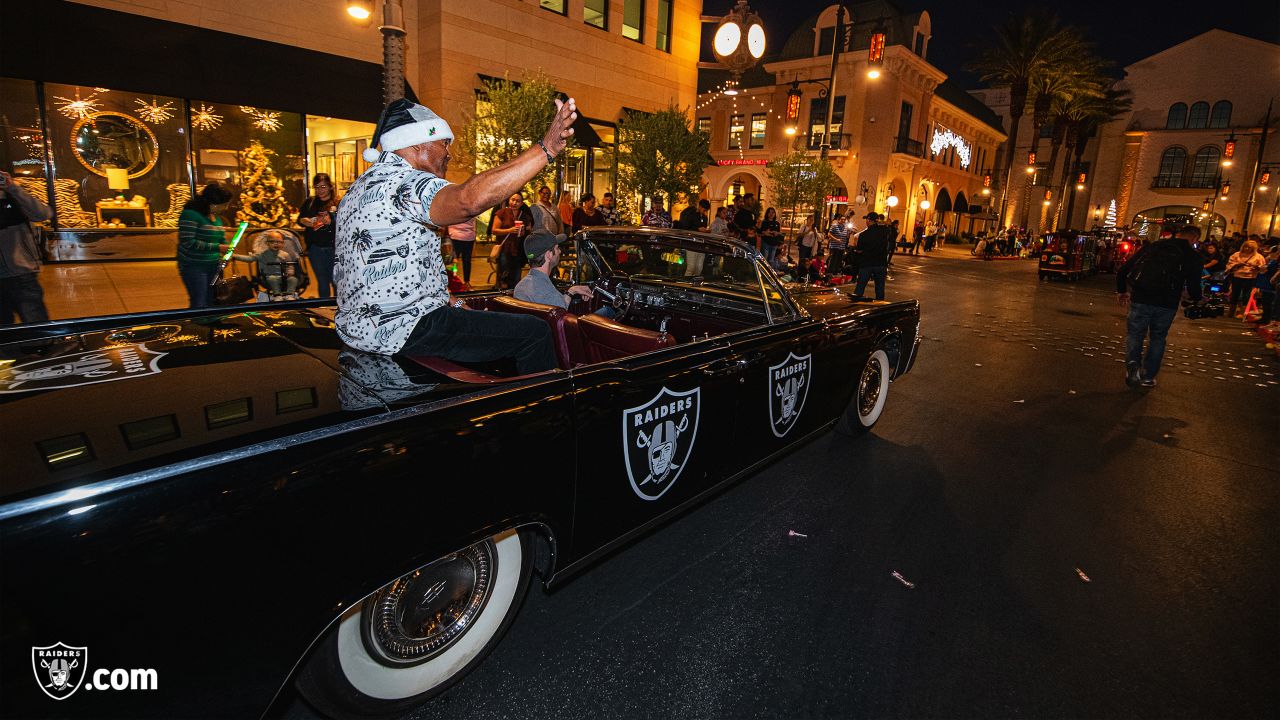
<point>114,140</point>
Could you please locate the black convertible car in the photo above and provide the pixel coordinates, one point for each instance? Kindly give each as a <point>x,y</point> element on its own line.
<point>200,510</point>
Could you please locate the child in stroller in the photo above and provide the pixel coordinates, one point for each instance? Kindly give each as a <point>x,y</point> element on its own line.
<point>277,259</point>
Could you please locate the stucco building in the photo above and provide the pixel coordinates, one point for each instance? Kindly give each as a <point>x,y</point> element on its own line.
<point>908,143</point>
<point>1165,158</point>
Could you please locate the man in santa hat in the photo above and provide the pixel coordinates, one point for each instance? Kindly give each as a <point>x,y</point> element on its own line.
<point>392,287</point>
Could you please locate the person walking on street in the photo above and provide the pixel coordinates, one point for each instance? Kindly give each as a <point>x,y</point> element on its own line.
<point>1151,282</point>
<point>872,252</point>
<point>392,285</point>
<point>202,243</point>
<point>21,296</point>
<point>317,216</point>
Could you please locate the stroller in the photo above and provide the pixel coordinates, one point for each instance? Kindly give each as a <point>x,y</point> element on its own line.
<point>293,246</point>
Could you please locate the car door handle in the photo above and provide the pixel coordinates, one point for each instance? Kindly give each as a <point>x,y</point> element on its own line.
<point>730,366</point>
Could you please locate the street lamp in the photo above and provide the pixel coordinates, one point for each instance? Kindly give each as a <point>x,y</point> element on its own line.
<point>875,56</point>
<point>1229,151</point>
<point>392,29</point>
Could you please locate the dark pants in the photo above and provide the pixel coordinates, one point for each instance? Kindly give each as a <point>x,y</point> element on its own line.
<point>770,253</point>
<point>322,267</point>
<point>1267,301</point>
<point>866,273</point>
<point>22,297</point>
<point>198,280</point>
<point>835,263</point>
<point>805,252</point>
<point>1144,320</point>
<point>1241,288</point>
<point>508,270</point>
<point>462,251</point>
<point>478,336</point>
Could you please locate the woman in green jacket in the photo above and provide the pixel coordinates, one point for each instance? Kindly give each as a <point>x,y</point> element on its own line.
<point>202,243</point>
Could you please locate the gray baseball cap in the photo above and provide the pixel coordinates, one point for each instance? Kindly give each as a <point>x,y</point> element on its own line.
<point>540,242</point>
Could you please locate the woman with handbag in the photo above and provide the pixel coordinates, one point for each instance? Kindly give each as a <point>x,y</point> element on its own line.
<point>202,242</point>
<point>509,230</point>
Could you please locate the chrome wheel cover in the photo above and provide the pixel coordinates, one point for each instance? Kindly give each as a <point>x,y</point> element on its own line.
<point>869,387</point>
<point>421,614</point>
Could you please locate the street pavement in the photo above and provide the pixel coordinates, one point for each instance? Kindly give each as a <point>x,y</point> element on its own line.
<point>1074,548</point>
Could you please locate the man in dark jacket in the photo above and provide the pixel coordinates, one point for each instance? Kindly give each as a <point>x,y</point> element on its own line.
<point>872,253</point>
<point>21,296</point>
<point>1156,275</point>
<point>694,217</point>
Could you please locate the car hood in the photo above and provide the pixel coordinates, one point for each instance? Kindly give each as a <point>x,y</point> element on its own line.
<point>93,405</point>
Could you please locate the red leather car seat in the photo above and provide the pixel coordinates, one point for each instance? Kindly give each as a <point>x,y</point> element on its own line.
<point>607,340</point>
<point>554,317</point>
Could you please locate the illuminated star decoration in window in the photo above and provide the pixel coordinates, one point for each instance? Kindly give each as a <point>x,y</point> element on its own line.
<point>248,110</point>
<point>78,109</point>
<point>205,118</point>
<point>267,120</point>
<point>154,112</point>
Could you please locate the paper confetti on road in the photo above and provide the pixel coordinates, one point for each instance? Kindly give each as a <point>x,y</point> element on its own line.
<point>1071,392</point>
<point>793,533</point>
<point>1019,401</point>
<point>1082,575</point>
<point>910,585</point>
<point>977,364</point>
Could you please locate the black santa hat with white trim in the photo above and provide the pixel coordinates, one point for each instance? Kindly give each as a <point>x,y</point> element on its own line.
<point>405,124</point>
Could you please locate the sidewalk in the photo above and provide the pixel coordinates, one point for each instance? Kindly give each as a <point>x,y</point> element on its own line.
<point>73,290</point>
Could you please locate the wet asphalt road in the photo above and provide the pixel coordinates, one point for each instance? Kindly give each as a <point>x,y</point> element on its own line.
<point>1011,456</point>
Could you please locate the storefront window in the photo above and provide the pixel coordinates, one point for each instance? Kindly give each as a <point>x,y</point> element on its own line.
<point>258,154</point>
<point>758,130</point>
<point>21,139</point>
<point>119,158</point>
<point>336,147</point>
<point>602,160</point>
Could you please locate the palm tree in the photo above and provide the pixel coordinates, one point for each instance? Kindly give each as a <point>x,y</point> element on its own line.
<point>1084,120</point>
<point>1022,50</point>
<point>1054,91</point>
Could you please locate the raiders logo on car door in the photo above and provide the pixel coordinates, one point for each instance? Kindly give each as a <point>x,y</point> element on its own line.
<point>789,383</point>
<point>658,439</point>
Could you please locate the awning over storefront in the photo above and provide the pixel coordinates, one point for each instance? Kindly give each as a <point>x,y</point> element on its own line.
<point>66,42</point>
<point>962,205</point>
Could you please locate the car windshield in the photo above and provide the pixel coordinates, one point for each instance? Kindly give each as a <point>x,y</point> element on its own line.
<point>646,258</point>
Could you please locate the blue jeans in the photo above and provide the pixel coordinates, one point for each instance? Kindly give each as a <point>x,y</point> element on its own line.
<point>322,266</point>
<point>865,273</point>
<point>198,280</point>
<point>1144,319</point>
<point>770,253</point>
<point>22,296</point>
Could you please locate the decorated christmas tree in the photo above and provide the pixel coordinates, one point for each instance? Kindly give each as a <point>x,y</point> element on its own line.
<point>262,201</point>
<point>1111,215</point>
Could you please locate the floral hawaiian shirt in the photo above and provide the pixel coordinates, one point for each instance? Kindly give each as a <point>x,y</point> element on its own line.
<point>389,272</point>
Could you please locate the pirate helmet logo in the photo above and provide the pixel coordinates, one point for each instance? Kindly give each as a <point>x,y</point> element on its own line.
<point>59,669</point>
<point>789,383</point>
<point>658,440</point>
<point>80,368</point>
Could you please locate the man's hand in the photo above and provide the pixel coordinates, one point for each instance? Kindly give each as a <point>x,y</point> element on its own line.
<point>581,291</point>
<point>558,134</point>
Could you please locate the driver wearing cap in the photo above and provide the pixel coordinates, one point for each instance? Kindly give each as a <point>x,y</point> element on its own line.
<point>392,286</point>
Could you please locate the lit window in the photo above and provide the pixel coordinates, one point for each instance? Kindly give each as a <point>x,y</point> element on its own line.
<point>757,130</point>
<point>596,12</point>
<point>735,132</point>
<point>664,25</point>
<point>704,126</point>
<point>555,6</point>
<point>1204,167</point>
<point>633,20</point>
<point>818,118</point>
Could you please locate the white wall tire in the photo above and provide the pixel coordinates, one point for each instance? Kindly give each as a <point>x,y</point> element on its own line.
<point>869,396</point>
<point>346,677</point>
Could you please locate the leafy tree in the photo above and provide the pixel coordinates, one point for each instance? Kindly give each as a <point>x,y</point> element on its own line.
<point>1021,51</point>
<point>799,180</point>
<point>1084,120</point>
<point>510,118</point>
<point>659,153</point>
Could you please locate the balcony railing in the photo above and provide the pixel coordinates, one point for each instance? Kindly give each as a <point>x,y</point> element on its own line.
<point>1190,183</point>
<point>839,141</point>
<point>907,146</point>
